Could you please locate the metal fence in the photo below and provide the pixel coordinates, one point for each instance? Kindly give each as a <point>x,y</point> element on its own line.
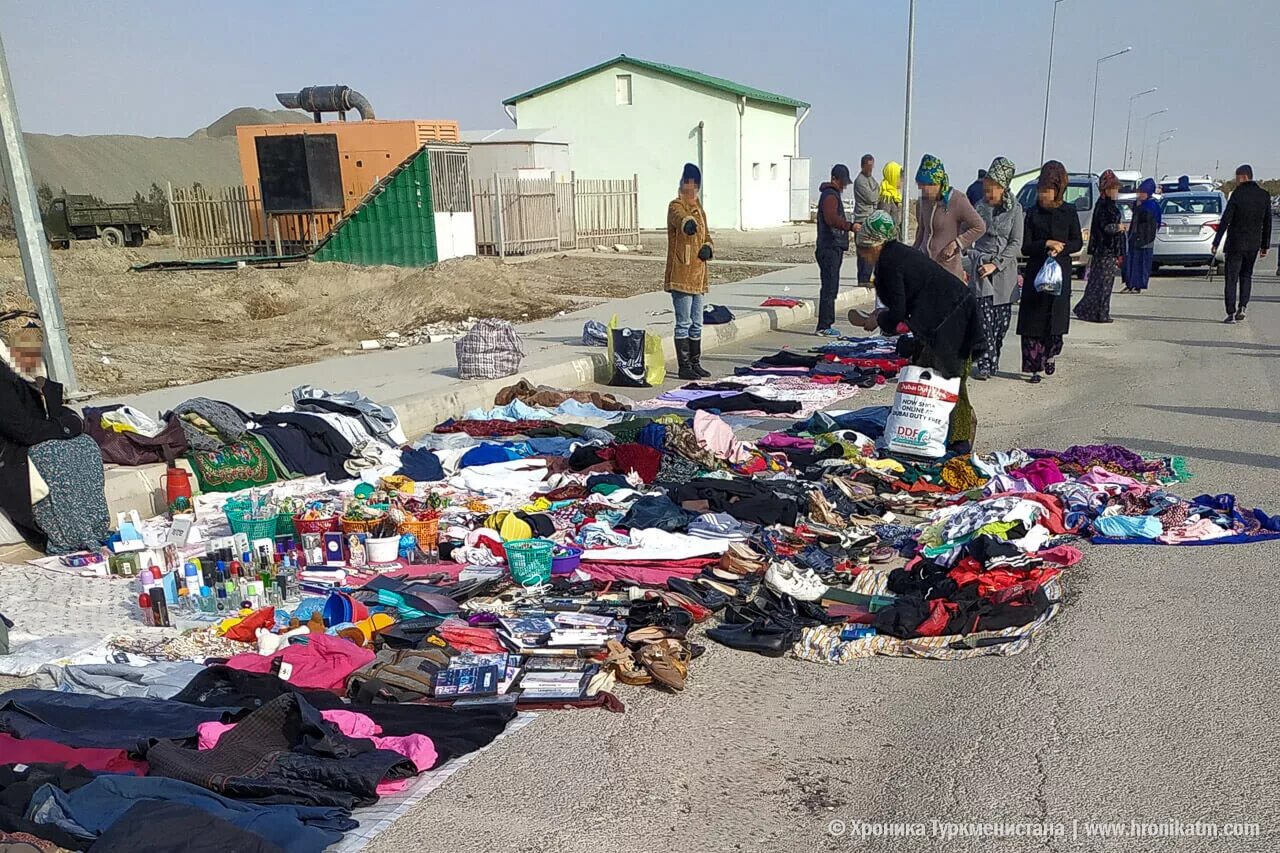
<point>525,216</point>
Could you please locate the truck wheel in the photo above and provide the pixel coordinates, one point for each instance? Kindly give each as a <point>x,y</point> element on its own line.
<point>112,238</point>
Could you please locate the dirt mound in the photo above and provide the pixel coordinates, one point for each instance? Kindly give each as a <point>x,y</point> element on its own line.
<point>227,124</point>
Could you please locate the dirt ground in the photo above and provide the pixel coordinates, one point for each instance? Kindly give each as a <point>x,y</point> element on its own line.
<point>133,332</point>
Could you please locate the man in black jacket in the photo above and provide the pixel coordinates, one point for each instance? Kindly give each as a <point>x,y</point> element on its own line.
<point>1247,225</point>
<point>832,243</point>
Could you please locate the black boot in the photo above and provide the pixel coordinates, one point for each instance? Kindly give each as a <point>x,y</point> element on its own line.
<point>682,359</point>
<point>695,359</point>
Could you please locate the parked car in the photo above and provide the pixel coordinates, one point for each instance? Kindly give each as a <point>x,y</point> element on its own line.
<point>1197,183</point>
<point>1082,193</point>
<point>1189,222</point>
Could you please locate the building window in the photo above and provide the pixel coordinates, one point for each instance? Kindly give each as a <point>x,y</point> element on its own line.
<point>622,89</point>
<point>773,171</point>
<point>755,171</point>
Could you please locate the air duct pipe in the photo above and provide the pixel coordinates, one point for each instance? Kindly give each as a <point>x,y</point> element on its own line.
<point>327,99</point>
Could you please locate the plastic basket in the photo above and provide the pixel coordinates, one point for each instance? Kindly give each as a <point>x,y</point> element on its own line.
<point>567,560</point>
<point>360,525</point>
<point>530,561</point>
<point>426,531</point>
<point>254,528</point>
<point>284,524</point>
<point>315,525</point>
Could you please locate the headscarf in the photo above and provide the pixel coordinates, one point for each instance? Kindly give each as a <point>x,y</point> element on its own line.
<point>691,173</point>
<point>1053,176</point>
<point>1001,172</point>
<point>932,171</point>
<point>891,186</point>
<point>29,336</point>
<point>1106,181</point>
<point>879,228</point>
<point>1184,184</point>
<point>1152,206</point>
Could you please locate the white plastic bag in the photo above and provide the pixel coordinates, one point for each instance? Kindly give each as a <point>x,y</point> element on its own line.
<point>1049,279</point>
<point>921,414</point>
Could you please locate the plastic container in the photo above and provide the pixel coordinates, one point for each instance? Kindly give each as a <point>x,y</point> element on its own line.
<point>426,531</point>
<point>254,528</point>
<point>315,525</point>
<point>565,559</point>
<point>530,561</point>
<point>384,550</point>
<point>360,525</point>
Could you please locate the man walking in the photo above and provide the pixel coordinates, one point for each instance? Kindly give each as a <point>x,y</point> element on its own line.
<point>974,192</point>
<point>1247,225</point>
<point>866,197</point>
<point>832,243</point>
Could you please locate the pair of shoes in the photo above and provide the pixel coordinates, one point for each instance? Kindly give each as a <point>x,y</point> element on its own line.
<point>667,663</point>
<point>801,584</point>
<point>740,560</point>
<point>1240,315</point>
<point>830,332</point>
<point>1230,319</point>
<point>762,636</point>
<point>709,597</point>
<point>982,375</point>
<point>684,359</point>
<point>1035,379</point>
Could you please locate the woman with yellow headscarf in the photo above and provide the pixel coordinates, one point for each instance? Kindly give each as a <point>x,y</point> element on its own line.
<point>891,190</point>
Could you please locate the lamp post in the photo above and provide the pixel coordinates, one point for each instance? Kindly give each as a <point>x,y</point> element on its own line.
<point>905,225</point>
<point>1164,137</point>
<point>1129,121</point>
<point>1142,158</point>
<point>1097,70</point>
<point>1048,79</point>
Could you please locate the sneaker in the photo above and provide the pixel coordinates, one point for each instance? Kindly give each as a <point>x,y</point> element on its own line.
<point>1240,315</point>
<point>829,333</point>
<point>801,584</point>
<point>1230,319</point>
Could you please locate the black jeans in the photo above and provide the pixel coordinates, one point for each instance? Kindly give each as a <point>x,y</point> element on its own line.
<point>1239,271</point>
<point>829,261</point>
<point>864,271</point>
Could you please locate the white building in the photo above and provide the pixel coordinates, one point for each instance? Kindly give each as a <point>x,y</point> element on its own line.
<point>534,152</point>
<point>630,116</point>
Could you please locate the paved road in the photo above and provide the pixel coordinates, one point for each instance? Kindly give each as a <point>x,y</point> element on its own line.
<point>1152,697</point>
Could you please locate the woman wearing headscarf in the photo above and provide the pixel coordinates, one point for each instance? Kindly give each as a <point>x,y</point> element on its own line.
<point>1106,247</point>
<point>946,224</point>
<point>993,261</point>
<point>925,299</point>
<point>1142,238</point>
<point>1051,235</point>
<point>688,250</point>
<point>891,190</point>
<point>51,481</point>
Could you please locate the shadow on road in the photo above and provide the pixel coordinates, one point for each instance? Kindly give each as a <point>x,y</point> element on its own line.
<point>1228,345</point>
<point>1229,414</point>
<point>1163,319</point>
<point>1213,454</point>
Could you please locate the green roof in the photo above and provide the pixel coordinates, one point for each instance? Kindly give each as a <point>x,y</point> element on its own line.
<point>675,71</point>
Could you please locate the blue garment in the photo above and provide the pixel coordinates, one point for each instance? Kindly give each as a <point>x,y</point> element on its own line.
<point>550,446</point>
<point>88,811</point>
<point>1141,526</point>
<point>653,435</point>
<point>1137,267</point>
<point>422,466</point>
<point>688,308</point>
<point>869,420</point>
<point>76,719</point>
<point>487,454</point>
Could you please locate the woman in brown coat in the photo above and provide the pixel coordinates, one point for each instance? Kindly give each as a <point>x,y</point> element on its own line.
<point>946,223</point>
<point>688,250</point>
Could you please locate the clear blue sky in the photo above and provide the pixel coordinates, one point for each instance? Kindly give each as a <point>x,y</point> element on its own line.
<point>167,68</point>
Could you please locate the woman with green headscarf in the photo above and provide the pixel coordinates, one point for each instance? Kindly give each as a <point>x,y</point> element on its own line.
<point>992,263</point>
<point>925,299</point>
<point>946,223</point>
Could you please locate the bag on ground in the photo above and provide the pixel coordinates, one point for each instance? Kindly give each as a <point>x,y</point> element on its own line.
<point>716,315</point>
<point>594,334</point>
<point>491,349</point>
<point>626,356</point>
<point>920,419</point>
<point>1049,279</point>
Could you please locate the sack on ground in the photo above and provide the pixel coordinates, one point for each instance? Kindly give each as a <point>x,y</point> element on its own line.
<point>594,334</point>
<point>491,349</point>
<point>626,356</point>
<point>1049,279</point>
<point>921,414</point>
<point>716,315</point>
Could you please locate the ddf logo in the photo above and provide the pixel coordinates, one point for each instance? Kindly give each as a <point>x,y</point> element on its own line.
<point>912,436</point>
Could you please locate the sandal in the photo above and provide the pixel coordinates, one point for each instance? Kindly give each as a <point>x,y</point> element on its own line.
<point>882,555</point>
<point>667,662</point>
<point>624,666</point>
<point>653,634</point>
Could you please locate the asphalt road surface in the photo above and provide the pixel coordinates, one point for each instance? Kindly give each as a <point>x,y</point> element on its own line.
<point>1150,699</point>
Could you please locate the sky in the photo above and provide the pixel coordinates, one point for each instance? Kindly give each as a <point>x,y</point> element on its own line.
<point>167,68</point>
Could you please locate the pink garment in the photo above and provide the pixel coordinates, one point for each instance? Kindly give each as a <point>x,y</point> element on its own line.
<point>1040,473</point>
<point>1202,530</point>
<point>1103,477</point>
<point>717,436</point>
<point>775,440</point>
<point>321,663</point>
<point>418,748</point>
<point>647,573</point>
<point>1062,555</point>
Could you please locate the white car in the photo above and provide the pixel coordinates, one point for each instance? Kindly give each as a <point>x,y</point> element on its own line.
<point>1188,225</point>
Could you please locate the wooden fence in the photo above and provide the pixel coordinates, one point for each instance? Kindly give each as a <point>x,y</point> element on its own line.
<point>229,222</point>
<point>525,216</point>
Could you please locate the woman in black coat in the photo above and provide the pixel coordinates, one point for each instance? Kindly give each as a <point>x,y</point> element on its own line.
<point>1051,234</point>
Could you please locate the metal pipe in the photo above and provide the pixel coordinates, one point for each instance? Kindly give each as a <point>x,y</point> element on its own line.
<point>1048,80</point>
<point>904,226</point>
<point>799,121</point>
<point>510,110</point>
<point>1097,70</point>
<point>1161,141</point>
<point>327,99</point>
<point>1128,121</point>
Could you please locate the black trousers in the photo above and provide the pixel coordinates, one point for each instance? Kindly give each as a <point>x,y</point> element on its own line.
<point>864,271</point>
<point>1239,273</point>
<point>829,261</point>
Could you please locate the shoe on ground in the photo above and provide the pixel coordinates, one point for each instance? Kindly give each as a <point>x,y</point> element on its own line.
<point>1230,320</point>
<point>1035,379</point>
<point>1240,315</point>
<point>829,333</point>
<point>981,375</point>
<point>762,637</point>
<point>801,584</point>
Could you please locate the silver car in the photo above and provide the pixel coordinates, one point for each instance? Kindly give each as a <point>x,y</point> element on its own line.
<point>1189,223</point>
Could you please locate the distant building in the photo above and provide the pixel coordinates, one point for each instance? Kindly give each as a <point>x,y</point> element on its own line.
<point>535,152</point>
<point>630,116</point>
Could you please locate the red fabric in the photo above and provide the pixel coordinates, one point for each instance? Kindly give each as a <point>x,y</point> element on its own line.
<point>321,663</point>
<point>995,580</point>
<point>484,429</point>
<point>646,572</point>
<point>1063,555</point>
<point>36,751</point>
<point>780,302</point>
<point>245,631</point>
<point>940,612</point>
<point>641,458</point>
<point>481,640</point>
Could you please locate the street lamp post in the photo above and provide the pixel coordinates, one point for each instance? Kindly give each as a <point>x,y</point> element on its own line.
<point>1129,121</point>
<point>1097,70</point>
<point>905,225</point>
<point>1048,79</point>
<point>1164,137</point>
<point>1142,158</point>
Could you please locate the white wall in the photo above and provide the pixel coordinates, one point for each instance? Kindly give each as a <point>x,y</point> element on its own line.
<point>768,138</point>
<point>483,159</point>
<point>657,134</point>
<point>455,235</point>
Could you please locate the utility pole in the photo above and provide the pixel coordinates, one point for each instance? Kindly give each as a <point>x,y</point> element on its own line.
<point>1164,137</point>
<point>1129,121</point>
<point>1097,71</point>
<point>32,245</point>
<point>1048,79</point>
<point>905,225</point>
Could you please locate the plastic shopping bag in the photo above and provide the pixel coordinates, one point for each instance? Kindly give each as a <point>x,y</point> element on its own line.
<point>655,361</point>
<point>921,416</point>
<point>627,356</point>
<point>1049,279</point>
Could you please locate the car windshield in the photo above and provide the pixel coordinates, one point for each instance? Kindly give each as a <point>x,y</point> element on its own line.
<point>1129,186</point>
<point>1192,204</point>
<point>1080,195</point>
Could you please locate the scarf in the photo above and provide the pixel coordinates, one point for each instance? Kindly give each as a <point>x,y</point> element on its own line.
<point>1001,172</point>
<point>879,228</point>
<point>932,171</point>
<point>891,186</point>
<point>1150,205</point>
<point>1053,176</point>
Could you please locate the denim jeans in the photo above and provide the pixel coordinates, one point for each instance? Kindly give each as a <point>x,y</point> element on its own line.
<point>688,308</point>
